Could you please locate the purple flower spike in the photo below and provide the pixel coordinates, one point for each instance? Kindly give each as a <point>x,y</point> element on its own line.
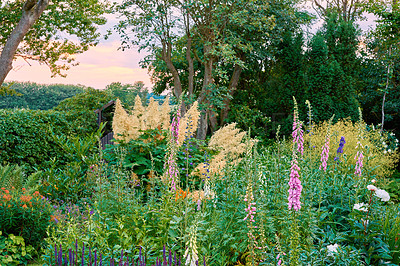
<point>204,261</point>
<point>70,256</point>
<point>121,259</point>
<point>170,258</point>
<point>55,253</point>
<point>83,254</point>
<point>101,260</point>
<point>112,262</point>
<point>95,258</point>
<point>60,256</point>
<point>175,258</point>
<point>90,257</point>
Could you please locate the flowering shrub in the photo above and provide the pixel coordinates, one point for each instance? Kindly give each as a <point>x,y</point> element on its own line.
<point>24,214</point>
<point>347,136</point>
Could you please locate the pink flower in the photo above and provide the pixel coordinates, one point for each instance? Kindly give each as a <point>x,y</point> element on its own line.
<point>359,164</point>
<point>295,187</point>
<point>325,155</point>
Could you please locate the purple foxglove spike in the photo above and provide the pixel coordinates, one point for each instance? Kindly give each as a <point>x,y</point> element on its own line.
<point>55,254</point>
<point>204,261</point>
<point>70,256</point>
<point>73,258</point>
<point>66,260</point>
<point>95,258</point>
<point>140,253</point>
<point>170,258</point>
<point>127,261</point>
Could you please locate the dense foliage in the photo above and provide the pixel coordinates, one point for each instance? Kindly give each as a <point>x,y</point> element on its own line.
<point>27,136</point>
<point>38,96</point>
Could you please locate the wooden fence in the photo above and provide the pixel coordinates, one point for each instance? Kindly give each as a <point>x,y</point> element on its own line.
<point>107,139</point>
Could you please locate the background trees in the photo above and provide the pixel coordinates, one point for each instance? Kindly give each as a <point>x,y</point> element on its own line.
<point>42,30</point>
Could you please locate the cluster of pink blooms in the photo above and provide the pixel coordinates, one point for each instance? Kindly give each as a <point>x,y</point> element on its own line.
<point>251,211</point>
<point>297,134</point>
<point>295,187</point>
<point>359,164</point>
<point>325,155</point>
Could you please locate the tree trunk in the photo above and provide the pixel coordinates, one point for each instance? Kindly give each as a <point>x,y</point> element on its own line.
<point>31,12</point>
<point>166,56</point>
<point>386,88</point>
<point>231,90</point>
<point>191,66</point>
<point>207,81</point>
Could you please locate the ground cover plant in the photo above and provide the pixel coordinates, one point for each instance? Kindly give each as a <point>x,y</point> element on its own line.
<point>317,198</point>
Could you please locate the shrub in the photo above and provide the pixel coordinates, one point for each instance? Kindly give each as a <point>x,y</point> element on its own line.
<point>24,214</point>
<point>26,136</point>
<point>13,250</point>
<point>377,162</point>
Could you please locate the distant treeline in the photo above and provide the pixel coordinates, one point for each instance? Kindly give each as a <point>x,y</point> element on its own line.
<point>38,96</point>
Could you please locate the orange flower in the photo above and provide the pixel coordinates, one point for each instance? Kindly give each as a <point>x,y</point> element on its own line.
<point>6,191</point>
<point>7,197</point>
<point>3,188</point>
<point>26,198</point>
<point>36,193</point>
<point>24,206</point>
<point>23,189</point>
<point>180,194</point>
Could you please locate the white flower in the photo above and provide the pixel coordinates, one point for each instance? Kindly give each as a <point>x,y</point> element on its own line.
<point>361,207</point>
<point>332,249</point>
<point>382,194</point>
<point>372,188</point>
<point>389,150</point>
<point>373,181</point>
<point>384,151</point>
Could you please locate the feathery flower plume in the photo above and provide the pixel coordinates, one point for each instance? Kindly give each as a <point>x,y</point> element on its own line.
<point>189,121</point>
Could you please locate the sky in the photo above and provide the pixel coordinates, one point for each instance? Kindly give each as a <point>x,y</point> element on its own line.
<point>98,67</point>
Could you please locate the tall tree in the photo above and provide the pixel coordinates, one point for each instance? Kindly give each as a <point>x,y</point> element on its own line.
<point>386,39</point>
<point>224,31</point>
<point>348,10</point>
<point>36,30</point>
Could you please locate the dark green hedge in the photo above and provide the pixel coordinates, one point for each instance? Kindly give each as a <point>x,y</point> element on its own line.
<point>26,139</point>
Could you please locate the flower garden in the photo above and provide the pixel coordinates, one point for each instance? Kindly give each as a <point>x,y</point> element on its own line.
<point>159,196</point>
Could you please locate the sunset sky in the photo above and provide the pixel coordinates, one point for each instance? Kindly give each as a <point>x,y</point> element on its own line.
<point>98,67</point>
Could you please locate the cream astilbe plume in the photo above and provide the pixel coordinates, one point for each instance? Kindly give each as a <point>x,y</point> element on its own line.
<point>138,109</point>
<point>229,139</point>
<point>188,124</point>
<point>121,122</point>
<point>165,118</point>
<point>229,142</point>
<point>151,116</point>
